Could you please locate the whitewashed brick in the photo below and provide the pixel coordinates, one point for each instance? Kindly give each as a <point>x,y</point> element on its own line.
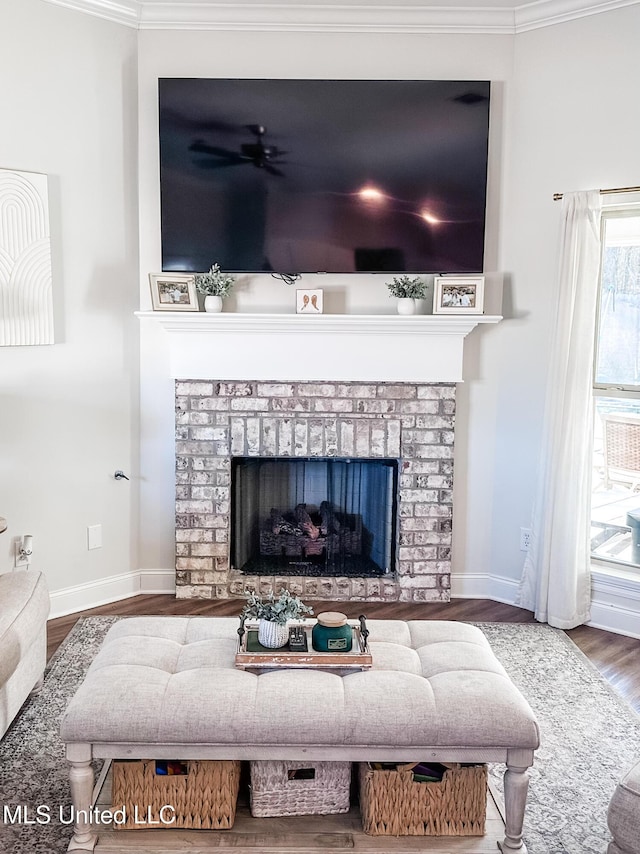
<point>234,389</point>
<point>204,433</point>
<point>194,389</point>
<point>269,437</point>
<point>393,438</point>
<point>199,417</point>
<point>363,446</point>
<point>356,390</point>
<point>421,467</point>
<point>194,591</point>
<point>330,404</point>
<point>275,390</point>
<point>285,437</point>
<point>378,440</point>
<point>193,563</point>
<point>347,438</point>
<point>316,390</point>
<point>375,406</point>
<point>420,582</point>
<point>436,511</point>
<point>331,437</point>
<point>252,428</point>
<point>202,449</point>
<point>301,438</point>
<point>249,404</point>
<point>193,535</point>
<point>422,434</point>
<point>194,506</point>
<point>316,438</point>
<point>210,404</point>
<point>433,452</point>
<point>399,391</point>
<point>415,523</point>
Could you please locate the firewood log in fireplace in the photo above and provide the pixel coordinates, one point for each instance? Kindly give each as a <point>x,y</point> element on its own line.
<point>305,523</point>
<point>280,525</point>
<point>329,524</point>
<point>291,532</point>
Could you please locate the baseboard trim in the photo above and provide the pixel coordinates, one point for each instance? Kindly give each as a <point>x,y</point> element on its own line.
<point>484,586</point>
<point>615,604</point>
<point>92,594</point>
<point>157,580</point>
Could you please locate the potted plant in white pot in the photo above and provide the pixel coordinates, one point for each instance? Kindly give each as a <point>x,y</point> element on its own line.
<point>215,285</point>
<point>273,614</point>
<point>407,290</point>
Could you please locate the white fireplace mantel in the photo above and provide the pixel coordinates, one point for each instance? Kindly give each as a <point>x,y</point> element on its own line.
<point>378,348</point>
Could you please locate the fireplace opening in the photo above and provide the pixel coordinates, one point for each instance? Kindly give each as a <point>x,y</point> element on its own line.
<point>313,516</point>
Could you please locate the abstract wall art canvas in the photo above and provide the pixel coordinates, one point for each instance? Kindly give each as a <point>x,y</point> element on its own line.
<point>26,303</point>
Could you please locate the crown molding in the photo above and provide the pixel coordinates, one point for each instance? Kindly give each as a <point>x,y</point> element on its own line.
<point>324,17</point>
<point>118,11</point>
<point>262,16</point>
<point>547,13</point>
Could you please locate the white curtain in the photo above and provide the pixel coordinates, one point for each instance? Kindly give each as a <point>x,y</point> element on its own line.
<point>556,581</point>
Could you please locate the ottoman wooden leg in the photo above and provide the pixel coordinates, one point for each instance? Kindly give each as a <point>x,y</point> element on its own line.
<point>516,784</point>
<point>81,780</point>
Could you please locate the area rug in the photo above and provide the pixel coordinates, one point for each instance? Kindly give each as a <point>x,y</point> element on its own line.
<point>590,736</point>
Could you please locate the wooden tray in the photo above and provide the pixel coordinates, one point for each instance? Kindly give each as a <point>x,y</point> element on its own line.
<point>261,658</point>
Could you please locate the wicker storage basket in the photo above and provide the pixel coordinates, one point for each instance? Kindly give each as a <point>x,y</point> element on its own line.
<point>392,804</point>
<point>203,798</point>
<point>299,788</point>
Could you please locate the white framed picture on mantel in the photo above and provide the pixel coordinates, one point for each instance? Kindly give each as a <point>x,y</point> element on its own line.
<point>458,295</point>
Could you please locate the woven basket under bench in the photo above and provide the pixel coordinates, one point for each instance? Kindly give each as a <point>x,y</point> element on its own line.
<point>393,804</point>
<point>299,788</point>
<point>204,798</point>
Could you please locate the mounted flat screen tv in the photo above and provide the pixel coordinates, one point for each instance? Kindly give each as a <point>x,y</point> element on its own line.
<point>335,176</point>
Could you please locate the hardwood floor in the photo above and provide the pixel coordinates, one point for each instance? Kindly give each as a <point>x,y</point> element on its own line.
<point>617,657</point>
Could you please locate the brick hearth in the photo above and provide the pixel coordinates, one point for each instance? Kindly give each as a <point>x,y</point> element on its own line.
<point>413,422</point>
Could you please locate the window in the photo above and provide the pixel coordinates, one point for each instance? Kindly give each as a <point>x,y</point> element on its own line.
<point>615,499</point>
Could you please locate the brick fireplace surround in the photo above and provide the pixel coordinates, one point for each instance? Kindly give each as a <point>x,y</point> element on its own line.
<point>219,419</point>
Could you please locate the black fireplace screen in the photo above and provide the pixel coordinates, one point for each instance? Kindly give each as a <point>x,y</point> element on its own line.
<point>319,516</point>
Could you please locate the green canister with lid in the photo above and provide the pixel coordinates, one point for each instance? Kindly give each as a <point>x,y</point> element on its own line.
<point>332,633</point>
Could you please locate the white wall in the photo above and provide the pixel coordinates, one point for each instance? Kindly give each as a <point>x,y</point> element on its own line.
<point>563,117</point>
<point>68,411</point>
<point>574,125</point>
<point>211,54</point>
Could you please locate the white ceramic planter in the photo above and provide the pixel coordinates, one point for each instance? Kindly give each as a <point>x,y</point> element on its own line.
<point>406,305</point>
<point>272,635</point>
<point>212,303</point>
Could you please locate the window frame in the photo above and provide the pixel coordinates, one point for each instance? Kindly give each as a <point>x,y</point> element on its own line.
<point>604,389</point>
<point>630,207</point>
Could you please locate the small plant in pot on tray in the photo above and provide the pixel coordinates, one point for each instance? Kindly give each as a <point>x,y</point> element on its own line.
<point>273,613</point>
<point>215,285</point>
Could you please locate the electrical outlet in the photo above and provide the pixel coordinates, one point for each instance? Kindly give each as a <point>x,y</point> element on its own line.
<point>94,537</point>
<point>525,539</point>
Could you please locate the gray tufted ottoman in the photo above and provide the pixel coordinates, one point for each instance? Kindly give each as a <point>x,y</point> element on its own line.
<point>624,814</point>
<point>167,687</point>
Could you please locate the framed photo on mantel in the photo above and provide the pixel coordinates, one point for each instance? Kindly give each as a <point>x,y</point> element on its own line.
<point>173,292</point>
<point>309,301</point>
<point>458,295</point>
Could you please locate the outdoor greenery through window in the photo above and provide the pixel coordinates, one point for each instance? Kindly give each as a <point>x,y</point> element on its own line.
<point>615,499</point>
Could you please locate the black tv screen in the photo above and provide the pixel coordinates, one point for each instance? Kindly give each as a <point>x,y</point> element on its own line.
<point>336,176</point>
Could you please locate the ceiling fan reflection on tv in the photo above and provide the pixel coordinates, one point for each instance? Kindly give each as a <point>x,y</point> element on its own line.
<point>257,153</point>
